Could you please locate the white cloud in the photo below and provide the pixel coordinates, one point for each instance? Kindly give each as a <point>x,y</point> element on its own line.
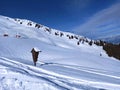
<point>103,23</point>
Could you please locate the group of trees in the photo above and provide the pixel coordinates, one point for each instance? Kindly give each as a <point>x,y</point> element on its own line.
<point>113,50</point>
<point>18,20</point>
<point>59,34</point>
<point>48,30</point>
<point>29,24</point>
<point>38,26</point>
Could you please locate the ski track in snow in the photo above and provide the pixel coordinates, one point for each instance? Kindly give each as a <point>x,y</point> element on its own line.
<point>61,81</point>
<point>17,67</point>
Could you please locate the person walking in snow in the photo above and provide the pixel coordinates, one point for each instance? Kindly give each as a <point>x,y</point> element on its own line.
<point>35,52</point>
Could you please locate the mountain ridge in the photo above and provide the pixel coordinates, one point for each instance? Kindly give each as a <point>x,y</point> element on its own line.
<point>67,61</point>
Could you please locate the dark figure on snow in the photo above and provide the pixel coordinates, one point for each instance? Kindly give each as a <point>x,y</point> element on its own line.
<point>35,52</point>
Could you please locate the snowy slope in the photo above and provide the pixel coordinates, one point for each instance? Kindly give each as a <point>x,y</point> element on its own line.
<point>62,64</point>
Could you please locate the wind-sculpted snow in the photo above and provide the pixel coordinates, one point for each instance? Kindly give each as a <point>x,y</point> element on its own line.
<point>19,76</point>
<point>62,64</point>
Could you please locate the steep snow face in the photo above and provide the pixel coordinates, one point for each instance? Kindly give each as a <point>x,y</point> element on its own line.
<point>62,64</point>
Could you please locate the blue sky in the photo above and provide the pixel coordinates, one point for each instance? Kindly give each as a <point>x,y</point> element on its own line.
<point>66,15</point>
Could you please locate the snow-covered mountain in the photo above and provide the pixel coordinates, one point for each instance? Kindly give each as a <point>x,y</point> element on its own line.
<point>67,61</point>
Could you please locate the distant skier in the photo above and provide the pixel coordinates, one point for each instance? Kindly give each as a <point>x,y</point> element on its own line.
<point>35,52</point>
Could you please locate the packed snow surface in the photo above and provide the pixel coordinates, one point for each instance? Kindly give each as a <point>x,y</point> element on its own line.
<point>62,64</point>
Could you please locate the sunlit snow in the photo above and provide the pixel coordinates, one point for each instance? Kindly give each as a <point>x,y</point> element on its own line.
<point>62,64</point>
